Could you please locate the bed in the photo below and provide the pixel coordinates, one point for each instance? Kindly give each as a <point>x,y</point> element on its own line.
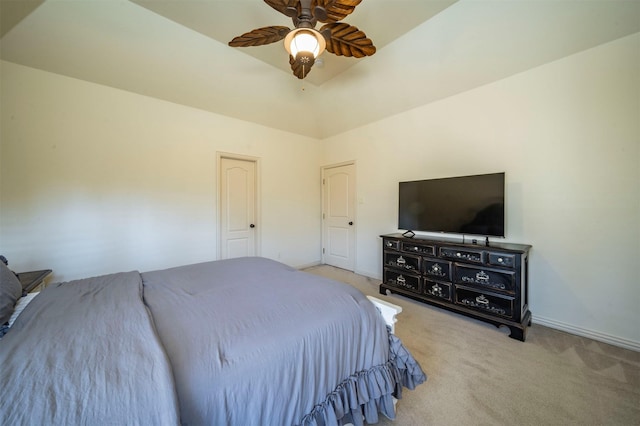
<point>245,341</point>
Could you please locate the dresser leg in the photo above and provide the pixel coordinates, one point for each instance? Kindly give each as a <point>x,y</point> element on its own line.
<point>517,333</point>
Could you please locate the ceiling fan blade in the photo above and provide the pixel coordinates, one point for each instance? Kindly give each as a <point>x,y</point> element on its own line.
<point>300,70</point>
<point>260,36</point>
<point>347,40</point>
<point>288,8</point>
<point>337,10</point>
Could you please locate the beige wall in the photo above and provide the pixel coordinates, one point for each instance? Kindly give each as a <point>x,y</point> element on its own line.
<point>567,134</point>
<point>97,180</point>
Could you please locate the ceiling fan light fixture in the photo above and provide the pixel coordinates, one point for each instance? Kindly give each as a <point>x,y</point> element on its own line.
<point>305,42</point>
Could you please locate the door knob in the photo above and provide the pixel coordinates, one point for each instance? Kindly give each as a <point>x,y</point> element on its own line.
<point>350,223</point>
<point>252,226</point>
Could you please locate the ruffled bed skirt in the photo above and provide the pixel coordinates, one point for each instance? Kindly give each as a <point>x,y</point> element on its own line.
<point>363,395</point>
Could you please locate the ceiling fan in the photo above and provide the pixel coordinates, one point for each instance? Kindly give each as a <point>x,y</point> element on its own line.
<point>304,43</point>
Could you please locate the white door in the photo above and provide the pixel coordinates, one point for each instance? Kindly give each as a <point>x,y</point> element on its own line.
<point>237,208</point>
<point>338,225</point>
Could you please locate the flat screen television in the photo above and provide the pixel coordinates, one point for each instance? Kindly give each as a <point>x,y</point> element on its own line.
<point>459,205</point>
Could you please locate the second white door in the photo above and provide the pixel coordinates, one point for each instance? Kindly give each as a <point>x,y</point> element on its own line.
<point>338,225</point>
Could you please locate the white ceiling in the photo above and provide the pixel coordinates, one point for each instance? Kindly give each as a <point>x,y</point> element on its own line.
<point>176,50</point>
<point>383,21</point>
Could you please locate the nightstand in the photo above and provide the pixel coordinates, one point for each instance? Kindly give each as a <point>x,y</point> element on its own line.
<point>31,280</point>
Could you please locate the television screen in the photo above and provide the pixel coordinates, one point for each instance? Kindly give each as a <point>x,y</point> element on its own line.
<point>461,205</point>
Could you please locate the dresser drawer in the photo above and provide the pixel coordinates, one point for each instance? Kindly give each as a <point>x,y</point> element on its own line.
<point>501,259</point>
<point>436,269</point>
<point>475,256</point>
<point>491,278</point>
<point>403,280</point>
<point>437,290</point>
<point>391,244</point>
<point>419,248</point>
<point>402,261</point>
<point>489,303</point>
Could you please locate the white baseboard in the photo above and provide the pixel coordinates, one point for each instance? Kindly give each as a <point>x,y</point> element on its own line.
<point>307,265</point>
<point>369,274</point>
<point>595,335</point>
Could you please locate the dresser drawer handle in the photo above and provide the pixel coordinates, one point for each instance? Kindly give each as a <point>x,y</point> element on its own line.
<point>482,277</point>
<point>482,300</point>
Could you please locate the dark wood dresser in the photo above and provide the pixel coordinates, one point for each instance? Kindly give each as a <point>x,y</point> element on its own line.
<point>486,282</point>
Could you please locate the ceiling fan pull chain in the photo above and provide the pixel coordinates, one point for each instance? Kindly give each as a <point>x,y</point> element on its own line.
<point>302,79</point>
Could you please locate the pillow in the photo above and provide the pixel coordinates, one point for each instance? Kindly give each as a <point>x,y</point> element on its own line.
<point>10,292</point>
<point>20,305</point>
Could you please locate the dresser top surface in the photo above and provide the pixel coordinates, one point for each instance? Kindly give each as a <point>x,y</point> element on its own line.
<point>419,239</point>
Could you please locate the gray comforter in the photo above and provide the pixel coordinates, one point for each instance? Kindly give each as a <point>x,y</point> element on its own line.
<point>237,342</point>
<point>86,353</point>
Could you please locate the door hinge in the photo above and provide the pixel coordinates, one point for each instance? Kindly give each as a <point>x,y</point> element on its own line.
<point>322,216</point>
<point>323,181</point>
<point>323,251</point>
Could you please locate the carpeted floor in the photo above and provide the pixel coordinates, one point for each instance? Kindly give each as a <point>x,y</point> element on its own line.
<point>479,376</point>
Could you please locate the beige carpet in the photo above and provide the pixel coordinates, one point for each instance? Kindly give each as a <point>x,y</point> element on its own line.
<point>477,375</point>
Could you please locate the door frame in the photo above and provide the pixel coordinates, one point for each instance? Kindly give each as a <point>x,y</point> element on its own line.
<point>220,155</point>
<point>355,210</point>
